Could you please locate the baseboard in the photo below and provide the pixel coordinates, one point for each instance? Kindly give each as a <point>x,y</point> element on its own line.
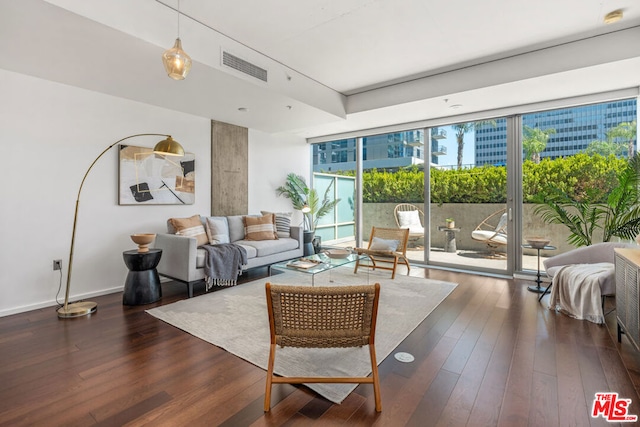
<point>53,303</point>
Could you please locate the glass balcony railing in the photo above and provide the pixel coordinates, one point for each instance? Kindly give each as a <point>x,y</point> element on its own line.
<point>438,133</point>
<point>440,151</point>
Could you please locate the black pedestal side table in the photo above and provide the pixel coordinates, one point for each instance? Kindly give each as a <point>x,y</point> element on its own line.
<point>142,285</point>
<point>539,289</point>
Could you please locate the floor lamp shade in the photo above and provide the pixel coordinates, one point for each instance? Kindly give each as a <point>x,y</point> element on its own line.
<point>167,146</point>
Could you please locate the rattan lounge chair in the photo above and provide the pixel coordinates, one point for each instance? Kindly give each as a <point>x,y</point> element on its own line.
<point>492,231</point>
<point>322,317</point>
<point>411,217</point>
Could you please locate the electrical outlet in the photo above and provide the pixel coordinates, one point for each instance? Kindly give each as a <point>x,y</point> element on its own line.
<point>57,264</point>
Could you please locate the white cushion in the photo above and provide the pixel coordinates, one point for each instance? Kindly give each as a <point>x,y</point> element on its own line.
<point>489,236</point>
<point>407,219</point>
<point>410,220</point>
<point>378,244</point>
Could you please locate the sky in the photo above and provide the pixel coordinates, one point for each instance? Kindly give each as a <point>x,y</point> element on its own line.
<point>451,158</point>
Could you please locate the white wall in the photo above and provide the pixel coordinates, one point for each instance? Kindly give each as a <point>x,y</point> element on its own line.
<point>271,158</point>
<point>49,134</point>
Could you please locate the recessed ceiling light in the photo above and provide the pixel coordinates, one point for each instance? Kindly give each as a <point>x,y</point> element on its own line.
<point>455,106</point>
<point>243,109</point>
<point>612,17</point>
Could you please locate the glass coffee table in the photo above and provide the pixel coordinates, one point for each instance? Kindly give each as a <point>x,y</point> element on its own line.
<point>318,263</point>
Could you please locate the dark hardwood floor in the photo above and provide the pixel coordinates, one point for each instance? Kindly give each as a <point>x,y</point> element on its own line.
<point>490,354</point>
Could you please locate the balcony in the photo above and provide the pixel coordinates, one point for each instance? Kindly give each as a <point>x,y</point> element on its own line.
<point>440,151</point>
<point>438,134</point>
<point>413,143</point>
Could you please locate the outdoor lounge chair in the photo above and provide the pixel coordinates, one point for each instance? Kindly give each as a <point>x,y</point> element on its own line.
<point>411,217</point>
<point>492,231</point>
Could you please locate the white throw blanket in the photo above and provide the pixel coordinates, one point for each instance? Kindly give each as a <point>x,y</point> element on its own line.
<point>576,291</point>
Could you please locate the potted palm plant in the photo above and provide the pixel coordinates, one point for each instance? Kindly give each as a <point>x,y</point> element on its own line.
<point>308,201</point>
<point>617,215</point>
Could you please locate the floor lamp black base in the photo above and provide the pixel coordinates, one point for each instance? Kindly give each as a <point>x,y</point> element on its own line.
<point>77,309</point>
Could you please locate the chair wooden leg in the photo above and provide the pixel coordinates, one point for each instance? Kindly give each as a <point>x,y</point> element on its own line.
<point>395,264</point>
<point>355,270</point>
<point>267,392</point>
<point>376,379</point>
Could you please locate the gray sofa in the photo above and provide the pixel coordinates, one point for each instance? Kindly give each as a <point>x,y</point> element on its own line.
<point>183,261</point>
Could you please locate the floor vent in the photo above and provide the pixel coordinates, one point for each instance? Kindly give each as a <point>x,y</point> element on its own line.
<point>243,66</point>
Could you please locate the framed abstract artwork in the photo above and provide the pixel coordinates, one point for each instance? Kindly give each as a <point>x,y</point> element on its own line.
<point>146,178</point>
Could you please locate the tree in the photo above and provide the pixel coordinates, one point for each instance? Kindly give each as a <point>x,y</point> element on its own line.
<point>605,148</point>
<point>461,129</point>
<point>626,132</point>
<point>535,141</point>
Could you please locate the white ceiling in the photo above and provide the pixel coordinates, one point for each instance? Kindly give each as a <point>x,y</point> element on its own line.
<point>340,65</point>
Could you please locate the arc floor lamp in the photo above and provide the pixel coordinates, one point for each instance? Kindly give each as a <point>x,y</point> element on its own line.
<point>166,147</point>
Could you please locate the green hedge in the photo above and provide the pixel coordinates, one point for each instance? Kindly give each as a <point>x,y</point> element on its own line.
<point>487,184</point>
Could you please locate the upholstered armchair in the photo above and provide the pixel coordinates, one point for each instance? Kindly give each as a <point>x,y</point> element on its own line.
<point>599,252</point>
<point>581,279</point>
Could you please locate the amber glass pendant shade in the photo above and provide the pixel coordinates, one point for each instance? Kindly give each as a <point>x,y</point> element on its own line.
<point>176,61</point>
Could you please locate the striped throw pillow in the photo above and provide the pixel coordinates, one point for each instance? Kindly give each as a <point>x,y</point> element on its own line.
<point>283,223</point>
<point>190,227</point>
<point>260,227</point>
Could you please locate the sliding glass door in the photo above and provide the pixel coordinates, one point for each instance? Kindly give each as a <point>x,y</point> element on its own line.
<point>468,196</point>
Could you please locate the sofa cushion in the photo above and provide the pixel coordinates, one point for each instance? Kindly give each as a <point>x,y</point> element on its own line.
<point>269,247</point>
<point>202,253</point>
<point>236,227</point>
<point>190,227</point>
<point>283,223</point>
<point>260,228</point>
<point>251,251</point>
<point>217,229</point>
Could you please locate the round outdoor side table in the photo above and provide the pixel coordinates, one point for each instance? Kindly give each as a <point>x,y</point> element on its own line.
<point>142,285</point>
<point>539,289</point>
<point>449,238</point>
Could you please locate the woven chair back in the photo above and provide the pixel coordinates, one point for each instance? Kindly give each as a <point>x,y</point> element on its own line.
<point>322,317</point>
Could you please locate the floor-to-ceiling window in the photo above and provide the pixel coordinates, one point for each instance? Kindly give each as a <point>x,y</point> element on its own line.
<point>486,178</point>
<point>571,159</point>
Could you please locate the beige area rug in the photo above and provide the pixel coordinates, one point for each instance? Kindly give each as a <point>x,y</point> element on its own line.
<point>236,320</point>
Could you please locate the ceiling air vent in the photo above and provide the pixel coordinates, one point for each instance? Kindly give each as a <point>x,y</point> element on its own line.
<point>243,66</point>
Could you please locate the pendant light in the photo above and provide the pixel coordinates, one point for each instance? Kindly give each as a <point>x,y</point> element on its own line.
<point>176,61</point>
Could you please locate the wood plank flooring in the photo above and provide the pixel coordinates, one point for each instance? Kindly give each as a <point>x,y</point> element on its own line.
<point>489,355</point>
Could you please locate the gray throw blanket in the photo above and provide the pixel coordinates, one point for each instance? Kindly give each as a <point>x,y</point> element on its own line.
<point>223,264</point>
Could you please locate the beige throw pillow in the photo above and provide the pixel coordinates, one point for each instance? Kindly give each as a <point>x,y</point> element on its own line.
<point>283,223</point>
<point>260,227</point>
<point>190,227</point>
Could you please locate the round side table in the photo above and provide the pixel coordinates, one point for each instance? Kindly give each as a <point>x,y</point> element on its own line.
<point>539,289</point>
<point>142,285</point>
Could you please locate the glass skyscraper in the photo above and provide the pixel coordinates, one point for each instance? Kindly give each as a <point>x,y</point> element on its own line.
<point>386,151</point>
<point>575,128</point>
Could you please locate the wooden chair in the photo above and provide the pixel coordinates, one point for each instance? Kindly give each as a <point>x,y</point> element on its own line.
<point>386,246</point>
<point>405,218</point>
<point>322,317</point>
